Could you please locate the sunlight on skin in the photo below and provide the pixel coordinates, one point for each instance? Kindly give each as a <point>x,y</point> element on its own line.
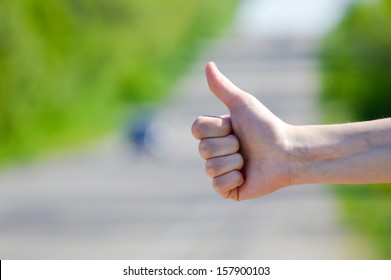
<point>251,152</point>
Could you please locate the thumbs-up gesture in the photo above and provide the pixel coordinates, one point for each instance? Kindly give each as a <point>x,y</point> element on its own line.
<point>246,152</point>
<point>251,152</point>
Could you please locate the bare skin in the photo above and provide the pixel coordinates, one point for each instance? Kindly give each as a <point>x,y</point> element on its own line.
<point>251,152</point>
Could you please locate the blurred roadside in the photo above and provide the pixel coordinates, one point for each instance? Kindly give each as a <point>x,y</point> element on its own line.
<point>69,70</point>
<point>107,202</point>
<point>355,70</point>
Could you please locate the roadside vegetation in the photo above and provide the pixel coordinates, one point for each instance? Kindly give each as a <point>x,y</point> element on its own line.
<point>70,69</point>
<point>356,70</point>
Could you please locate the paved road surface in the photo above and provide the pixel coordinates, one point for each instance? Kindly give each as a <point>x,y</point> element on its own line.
<point>108,203</point>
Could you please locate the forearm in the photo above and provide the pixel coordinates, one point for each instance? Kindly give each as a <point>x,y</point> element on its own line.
<point>346,154</point>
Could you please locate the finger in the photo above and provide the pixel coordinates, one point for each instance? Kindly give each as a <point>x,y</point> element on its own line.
<point>227,185</point>
<point>217,147</point>
<point>218,166</point>
<point>206,126</point>
<point>223,88</point>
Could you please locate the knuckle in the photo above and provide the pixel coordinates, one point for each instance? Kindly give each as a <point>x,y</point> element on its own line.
<point>205,149</point>
<point>196,129</point>
<point>218,184</point>
<point>234,142</point>
<point>205,126</point>
<point>239,160</point>
<point>210,168</point>
<point>230,180</point>
<point>228,186</point>
<point>238,178</point>
<point>226,126</point>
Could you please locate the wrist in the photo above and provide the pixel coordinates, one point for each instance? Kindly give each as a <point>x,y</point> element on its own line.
<point>314,154</point>
<point>298,155</point>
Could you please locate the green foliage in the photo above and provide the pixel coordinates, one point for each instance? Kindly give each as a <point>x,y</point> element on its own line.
<point>355,71</point>
<point>356,61</point>
<point>368,209</point>
<point>69,68</point>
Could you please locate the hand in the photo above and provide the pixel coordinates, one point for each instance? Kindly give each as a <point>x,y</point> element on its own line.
<point>247,152</point>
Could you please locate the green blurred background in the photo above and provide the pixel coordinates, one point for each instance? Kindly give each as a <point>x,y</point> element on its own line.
<point>70,69</point>
<point>356,85</point>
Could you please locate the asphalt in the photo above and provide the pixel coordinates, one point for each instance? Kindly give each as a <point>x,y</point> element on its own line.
<point>110,202</point>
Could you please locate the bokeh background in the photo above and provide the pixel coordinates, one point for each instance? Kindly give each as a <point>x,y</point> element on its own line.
<point>356,86</point>
<point>70,69</point>
<point>96,103</point>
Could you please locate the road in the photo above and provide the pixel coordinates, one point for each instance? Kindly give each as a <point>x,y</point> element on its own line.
<point>107,202</point>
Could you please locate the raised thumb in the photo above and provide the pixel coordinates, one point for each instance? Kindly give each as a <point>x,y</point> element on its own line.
<point>223,88</point>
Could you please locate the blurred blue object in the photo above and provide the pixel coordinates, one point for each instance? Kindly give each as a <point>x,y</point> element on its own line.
<point>150,132</point>
<point>137,133</point>
<point>137,127</point>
